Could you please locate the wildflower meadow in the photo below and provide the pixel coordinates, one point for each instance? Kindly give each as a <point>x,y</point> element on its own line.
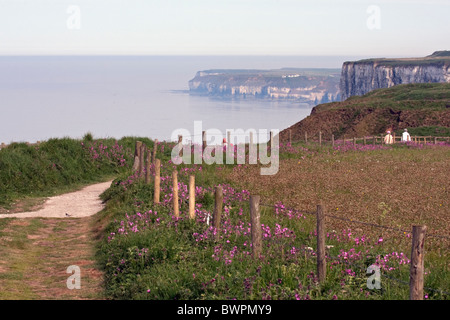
<point>149,253</point>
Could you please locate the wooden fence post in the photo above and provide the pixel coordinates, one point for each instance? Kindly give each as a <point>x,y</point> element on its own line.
<point>137,150</point>
<point>180,141</point>
<point>435,140</point>
<point>203,141</point>
<point>374,139</point>
<point>321,262</point>
<point>320,138</point>
<point>364,140</point>
<point>417,258</point>
<point>332,140</point>
<point>290,137</point>
<point>306,137</point>
<point>155,147</point>
<point>354,141</point>
<point>147,166</point>
<point>141,160</point>
<point>255,220</point>
<point>176,209</point>
<point>217,214</point>
<point>157,180</point>
<point>191,196</point>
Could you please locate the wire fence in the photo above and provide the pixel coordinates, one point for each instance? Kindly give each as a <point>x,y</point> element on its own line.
<point>347,220</point>
<point>374,225</point>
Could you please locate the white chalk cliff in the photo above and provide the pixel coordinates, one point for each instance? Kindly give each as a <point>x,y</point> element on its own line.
<point>361,77</point>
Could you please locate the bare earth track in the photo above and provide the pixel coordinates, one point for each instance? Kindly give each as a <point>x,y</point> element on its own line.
<point>37,248</point>
<point>76,204</point>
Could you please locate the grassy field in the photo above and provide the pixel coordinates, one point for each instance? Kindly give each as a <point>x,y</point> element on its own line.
<point>429,96</point>
<point>59,165</point>
<point>144,252</point>
<point>34,253</point>
<point>147,253</point>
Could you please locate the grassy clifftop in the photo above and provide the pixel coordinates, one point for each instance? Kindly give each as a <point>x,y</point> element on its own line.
<point>431,96</point>
<point>398,107</point>
<point>437,58</point>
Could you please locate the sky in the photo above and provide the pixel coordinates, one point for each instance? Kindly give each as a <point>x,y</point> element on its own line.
<point>383,28</point>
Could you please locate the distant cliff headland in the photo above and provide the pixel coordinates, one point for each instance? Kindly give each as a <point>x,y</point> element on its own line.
<point>361,77</point>
<point>377,94</point>
<point>312,86</point>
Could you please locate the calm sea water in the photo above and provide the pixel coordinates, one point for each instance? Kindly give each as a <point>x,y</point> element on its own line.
<point>115,96</point>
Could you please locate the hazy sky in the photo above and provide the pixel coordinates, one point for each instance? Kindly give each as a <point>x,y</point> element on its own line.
<point>225,27</point>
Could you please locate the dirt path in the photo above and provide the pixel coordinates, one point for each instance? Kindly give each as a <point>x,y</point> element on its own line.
<point>37,249</point>
<point>82,203</point>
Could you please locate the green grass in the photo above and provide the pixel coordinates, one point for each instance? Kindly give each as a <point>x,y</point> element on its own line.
<point>434,131</point>
<point>20,257</point>
<point>427,96</point>
<point>60,165</point>
<point>164,261</point>
<point>438,58</point>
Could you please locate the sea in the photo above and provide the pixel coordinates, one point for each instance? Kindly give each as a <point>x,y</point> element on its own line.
<point>43,97</point>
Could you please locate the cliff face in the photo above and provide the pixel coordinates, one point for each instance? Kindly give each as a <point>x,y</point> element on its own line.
<point>361,77</point>
<point>303,85</point>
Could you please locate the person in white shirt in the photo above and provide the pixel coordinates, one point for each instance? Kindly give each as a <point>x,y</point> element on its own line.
<point>406,136</point>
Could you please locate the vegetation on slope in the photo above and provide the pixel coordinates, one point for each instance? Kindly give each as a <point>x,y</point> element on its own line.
<point>148,253</point>
<point>403,106</point>
<point>59,165</point>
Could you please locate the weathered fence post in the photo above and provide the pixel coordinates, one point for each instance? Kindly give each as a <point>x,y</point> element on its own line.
<point>203,141</point>
<point>141,160</point>
<point>374,139</point>
<point>191,196</point>
<point>147,166</point>
<point>255,220</point>
<point>320,138</point>
<point>137,150</point>
<point>364,140</point>
<point>157,180</point>
<point>180,141</point>
<point>155,146</point>
<point>354,141</point>
<point>417,258</point>
<point>176,210</point>
<point>332,140</point>
<point>321,262</point>
<point>217,214</point>
<point>306,137</point>
<point>435,140</point>
<point>290,137</point>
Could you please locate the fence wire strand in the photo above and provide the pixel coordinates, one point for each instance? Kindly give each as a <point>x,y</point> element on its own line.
<point>357,222</point>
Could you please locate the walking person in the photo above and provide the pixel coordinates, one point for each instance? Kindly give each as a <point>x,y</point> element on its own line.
<point>388,139</point>
<point>406,136</point>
